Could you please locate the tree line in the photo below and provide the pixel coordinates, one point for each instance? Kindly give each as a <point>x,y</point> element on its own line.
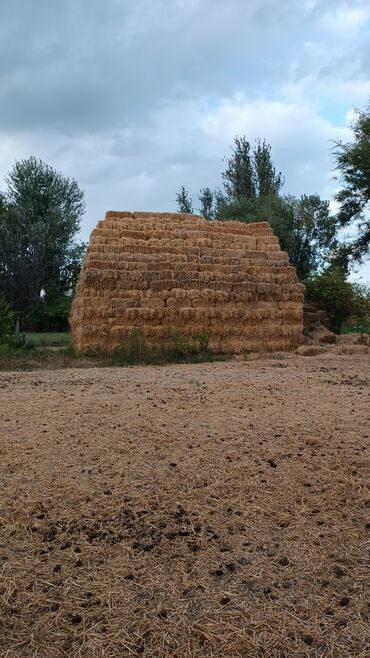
<point>41,211</point>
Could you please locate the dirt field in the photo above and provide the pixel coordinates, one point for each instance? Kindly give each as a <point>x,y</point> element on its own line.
<point>186,511</point>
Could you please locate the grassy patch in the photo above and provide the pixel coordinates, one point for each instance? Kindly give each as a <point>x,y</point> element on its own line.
<point>355,329</point>
<point>48,339</point>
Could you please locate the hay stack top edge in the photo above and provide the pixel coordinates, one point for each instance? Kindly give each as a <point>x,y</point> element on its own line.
<point>159,272</point>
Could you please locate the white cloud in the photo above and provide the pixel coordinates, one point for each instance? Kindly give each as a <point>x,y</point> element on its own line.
<point>300,137</point>
<point>345,22</point>
<point>350,116</point>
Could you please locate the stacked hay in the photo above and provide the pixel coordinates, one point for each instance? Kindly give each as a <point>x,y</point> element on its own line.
<point>158,272</point>
<point>314,315</point>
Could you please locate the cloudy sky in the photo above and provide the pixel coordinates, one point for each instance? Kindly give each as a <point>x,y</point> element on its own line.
<point>134,98</point>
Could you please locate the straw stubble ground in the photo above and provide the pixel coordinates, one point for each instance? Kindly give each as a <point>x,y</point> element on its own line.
<point>191,511</point>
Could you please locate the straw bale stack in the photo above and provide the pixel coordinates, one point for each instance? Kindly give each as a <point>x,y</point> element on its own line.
<point>158,272</point>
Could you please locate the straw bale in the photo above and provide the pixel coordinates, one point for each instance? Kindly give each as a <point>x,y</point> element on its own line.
<point>121,214</point>
<point>159,271</point>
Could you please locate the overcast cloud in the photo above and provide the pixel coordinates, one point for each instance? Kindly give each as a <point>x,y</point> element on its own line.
<point>135,98</point>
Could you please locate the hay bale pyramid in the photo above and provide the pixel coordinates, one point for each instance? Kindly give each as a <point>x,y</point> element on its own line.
<point>159,272</point>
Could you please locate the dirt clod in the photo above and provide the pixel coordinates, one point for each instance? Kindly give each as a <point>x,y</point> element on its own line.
<point>339,571</point>
<point>284,561</point>
<point>76,618</point>
<point>307,639</point>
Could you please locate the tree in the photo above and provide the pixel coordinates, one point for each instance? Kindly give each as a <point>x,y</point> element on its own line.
<point>39,219</point>
<point>51,312</point>
<point>353,163</point>
<point>6,321</point>
<point>220,203</point>
<point>250,173</point>
<point>313,234</point>
<point>268,181</point>
<point>3,204</point>
<point>206,198</point>
<point>238,177</point>
<point>52,201</point>
<point>22,264</point>
<point>71,266</point>
<point>252,193</point>
<point>184,202</point>
<point>342,299</point>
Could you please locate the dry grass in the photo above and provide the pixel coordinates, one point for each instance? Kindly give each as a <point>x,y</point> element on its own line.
<point>212,510</point>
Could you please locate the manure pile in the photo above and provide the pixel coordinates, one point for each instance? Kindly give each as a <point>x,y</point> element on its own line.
<point>162,272</point>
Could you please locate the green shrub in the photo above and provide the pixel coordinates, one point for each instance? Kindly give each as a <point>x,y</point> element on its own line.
<point>6,322</point>
<point>343,300</point>
<point>49,315</point>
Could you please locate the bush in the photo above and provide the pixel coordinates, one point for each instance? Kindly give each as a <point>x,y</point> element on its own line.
<point>49,315</point>
<point>343,300</point>
<point>6,322</point>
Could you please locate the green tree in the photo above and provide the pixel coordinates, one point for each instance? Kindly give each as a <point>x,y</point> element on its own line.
<point>312,232</point>
<point>342,299</point>
<point>39,219</point>
<point>220,204</point>
<point>184,202</point>
<point>206,198</point>
<point>250,173</point>
<point>3,204</point>
<point>353,163</point>
<point>268,182</point>
<point>50,312</point>
<point>238,177</point>
<point>276,210</point>
<point>22,264</point>
<point>6,321</point>
<point>52,201</point>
